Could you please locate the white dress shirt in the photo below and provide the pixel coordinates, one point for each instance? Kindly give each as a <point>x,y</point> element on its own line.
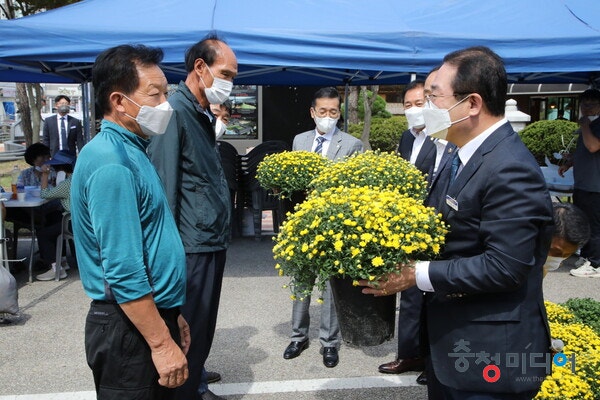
<point>328,136</point>
<point>420,138</point>
<point>464,153</point>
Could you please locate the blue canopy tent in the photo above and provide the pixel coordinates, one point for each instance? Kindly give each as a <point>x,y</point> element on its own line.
<point>310,42</point>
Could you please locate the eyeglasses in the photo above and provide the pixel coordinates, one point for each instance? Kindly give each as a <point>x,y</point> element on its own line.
<point>432,97</point>
<point>323,112</point>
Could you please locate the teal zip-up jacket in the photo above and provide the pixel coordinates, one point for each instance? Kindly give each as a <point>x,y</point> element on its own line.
<point>126,239</point>
<point>187,160</point>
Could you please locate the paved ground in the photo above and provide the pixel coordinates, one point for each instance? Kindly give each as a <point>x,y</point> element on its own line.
<point>42,356</point>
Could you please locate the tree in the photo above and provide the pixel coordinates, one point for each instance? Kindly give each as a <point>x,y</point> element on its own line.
<point>353,104</point>
<point>30,95</point>
<point>368,106</point>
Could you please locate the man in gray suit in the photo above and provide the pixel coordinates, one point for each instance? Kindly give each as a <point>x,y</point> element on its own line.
<point>327,140</point>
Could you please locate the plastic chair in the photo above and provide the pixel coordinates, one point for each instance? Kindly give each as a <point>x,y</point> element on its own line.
<point>230,161</point>
<point>254,196</point>
<point>66,234</point>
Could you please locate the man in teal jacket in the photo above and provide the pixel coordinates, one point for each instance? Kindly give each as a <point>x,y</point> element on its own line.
<point>187,160</point>
<point>130,257</point>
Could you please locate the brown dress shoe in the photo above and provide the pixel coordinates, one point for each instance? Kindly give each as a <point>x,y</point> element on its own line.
<point>403,365</point>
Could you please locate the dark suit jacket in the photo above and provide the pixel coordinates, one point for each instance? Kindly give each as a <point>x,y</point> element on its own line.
<point>51,134</point>
<point>488,285</point>
<point>426,159</point>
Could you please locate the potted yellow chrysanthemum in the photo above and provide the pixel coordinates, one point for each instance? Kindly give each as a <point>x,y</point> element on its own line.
<point>376,169</point>
<point>289,171</point>
<point>575,372</point>
<point>357,232</point>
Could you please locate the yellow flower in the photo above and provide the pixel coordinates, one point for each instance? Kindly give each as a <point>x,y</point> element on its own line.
<point>377,261</point>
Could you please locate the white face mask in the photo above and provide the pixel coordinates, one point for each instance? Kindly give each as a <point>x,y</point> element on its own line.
<point>414,116</point>
<point>220,128</point>
<point>553,263</point>
<point>326,124</point>
<point>153,120</point>
<point>220,90</point>
<point>437,120</point>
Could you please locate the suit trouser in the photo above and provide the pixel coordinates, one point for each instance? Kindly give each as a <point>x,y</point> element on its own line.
<point>203,292</point>
<point>409,323</point>
<point>329,330</point>
<point>589,203</point>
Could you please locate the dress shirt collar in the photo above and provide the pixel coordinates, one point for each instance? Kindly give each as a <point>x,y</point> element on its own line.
<point>328,136</point>
<point>466,152</point>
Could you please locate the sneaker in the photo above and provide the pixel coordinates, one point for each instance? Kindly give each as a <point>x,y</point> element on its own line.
<point>586,271</point>
<point>51,274</point>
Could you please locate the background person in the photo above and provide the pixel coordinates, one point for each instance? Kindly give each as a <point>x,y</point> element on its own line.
<point>484,294</point>
<point>223,113</point>
<point>189,165</point>
<point>47,236</point>
<point>61,131</point>
<point>327,140</point>
<point>422,151</point>
<point>571,232</point>
<point>36,155</point>
<point>586,172</point>
<point>46,215</point>
<point>130,257</point>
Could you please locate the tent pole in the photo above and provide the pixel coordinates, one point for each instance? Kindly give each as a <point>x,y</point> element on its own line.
<point>87,110</point>
<point>346,107</point>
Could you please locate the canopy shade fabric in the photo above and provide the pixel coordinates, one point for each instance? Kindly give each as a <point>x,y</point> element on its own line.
<point>325,42</point>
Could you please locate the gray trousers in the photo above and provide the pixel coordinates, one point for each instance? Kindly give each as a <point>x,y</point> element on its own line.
<point>329,330</point>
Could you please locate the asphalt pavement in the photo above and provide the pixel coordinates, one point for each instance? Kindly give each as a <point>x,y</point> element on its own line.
<point>42,353</point>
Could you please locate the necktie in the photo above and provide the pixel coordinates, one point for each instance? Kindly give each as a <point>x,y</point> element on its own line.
<point>63,134</point>
<point>454,167</point>
<point>319,148</point>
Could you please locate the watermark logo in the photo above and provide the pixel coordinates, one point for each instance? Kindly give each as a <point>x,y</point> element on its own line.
<point>491,371</point>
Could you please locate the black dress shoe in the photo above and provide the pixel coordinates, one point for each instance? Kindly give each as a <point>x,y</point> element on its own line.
<point>212,377</point>
<point>403,365</point>
<point>294,349</point>
<point>330,357</point>
<point>422,378</point>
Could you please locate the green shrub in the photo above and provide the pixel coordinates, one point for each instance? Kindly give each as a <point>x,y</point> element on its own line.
<point>544,138</point>
<point>377,110</point>
<point>385,132</point>
<point>587,311</point>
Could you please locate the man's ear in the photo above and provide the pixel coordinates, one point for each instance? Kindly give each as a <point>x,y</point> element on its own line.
<point>116,101</point>
<point>199,65</point>
<point>476,104</point>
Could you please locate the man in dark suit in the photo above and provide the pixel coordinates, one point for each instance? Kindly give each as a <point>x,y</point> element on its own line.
<point>486,321</point>
<point>61,131</point>
<point>329,141</point>
<point>418,148</point>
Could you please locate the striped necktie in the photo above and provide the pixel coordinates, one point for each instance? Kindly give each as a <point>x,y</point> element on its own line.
<point>319,148</point>
<point>63,134</point>
<point>454,167</point>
